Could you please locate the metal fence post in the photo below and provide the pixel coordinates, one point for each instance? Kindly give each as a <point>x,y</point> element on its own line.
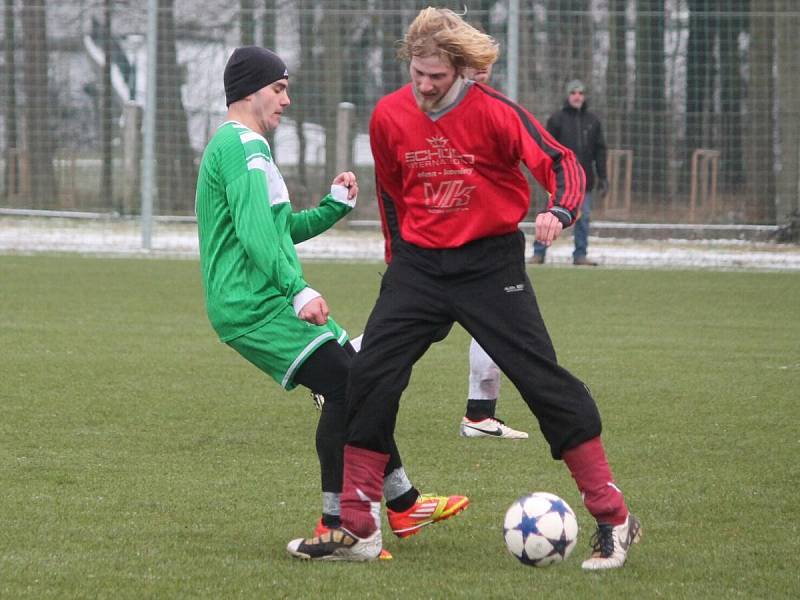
<point>131,155</point>
<point>344,153</point>
<point>149,135</point>
<point>512,52</point>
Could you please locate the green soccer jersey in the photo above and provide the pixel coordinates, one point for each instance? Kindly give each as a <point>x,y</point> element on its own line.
<point>247,232</point>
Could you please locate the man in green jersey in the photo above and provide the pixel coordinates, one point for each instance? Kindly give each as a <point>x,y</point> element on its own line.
<point>256,296</point>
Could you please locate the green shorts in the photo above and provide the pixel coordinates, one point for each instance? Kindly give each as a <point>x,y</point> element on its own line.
<point>280,347</point>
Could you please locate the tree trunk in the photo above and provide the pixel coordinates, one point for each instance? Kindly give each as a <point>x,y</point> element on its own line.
<point>528,78</point>
<point>731,95</point>
<point>648,126</point>
<point>332,75</point>
<point>616,75</point>
<point>788,201</point>
<point>699,81</point>
<point>38,106</point>
<point>760,149</point>
<point>393,72</point>
<point>176,172</point>
<point>303,97</point>
<point>106,117</point>
<point>11,179</point>
<point>268,33</point>
<point>247,22</point>
<point>357,40</point>
<point>269,24</point>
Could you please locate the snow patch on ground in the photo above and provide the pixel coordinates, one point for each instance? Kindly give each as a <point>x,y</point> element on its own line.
<point>122,237</point>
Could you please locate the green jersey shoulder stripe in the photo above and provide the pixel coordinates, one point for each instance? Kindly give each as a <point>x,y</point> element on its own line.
<point>259,156</point>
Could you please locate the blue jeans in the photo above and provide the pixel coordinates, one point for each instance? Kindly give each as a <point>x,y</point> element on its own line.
<point>581,231</point>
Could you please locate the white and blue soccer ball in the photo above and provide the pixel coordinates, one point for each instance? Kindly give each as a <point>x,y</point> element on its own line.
<point>540,529</point>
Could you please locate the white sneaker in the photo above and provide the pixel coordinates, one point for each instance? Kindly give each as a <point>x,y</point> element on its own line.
<point>489,427</point>
<point>610,544</point>
<point>337,544</point>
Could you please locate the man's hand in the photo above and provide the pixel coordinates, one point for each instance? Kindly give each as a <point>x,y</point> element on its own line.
<point>548,228</point>
<point>348,180</point>
<point>315,311</point>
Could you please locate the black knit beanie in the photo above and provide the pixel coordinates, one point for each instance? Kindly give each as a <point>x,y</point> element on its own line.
<point>249,69</point>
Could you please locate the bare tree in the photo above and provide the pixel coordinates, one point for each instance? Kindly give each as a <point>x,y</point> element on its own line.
<point>333,36</point>
<point>649,118</point>
<point>393,73</point>
<point>616,73</point>
<point>699,79</point>
<point>788,201</point>
<point>37,106</point>
<point>760,153</point>
<point>269,25</point>
<point>358,40</point>
<point>247,22</point>
<point>528,82</point>
<point>733,23</point>
<point>106,117</point>
<point>303,93</point>
<point>176,171</point>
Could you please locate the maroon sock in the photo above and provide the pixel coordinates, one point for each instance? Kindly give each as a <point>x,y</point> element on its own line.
<point>363,490</point>
<point>589,467</point>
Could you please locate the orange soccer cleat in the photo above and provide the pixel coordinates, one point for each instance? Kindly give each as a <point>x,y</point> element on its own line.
<point>427,509</point>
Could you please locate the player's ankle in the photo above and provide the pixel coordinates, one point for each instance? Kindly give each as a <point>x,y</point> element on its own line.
<point>404,501</point>
<point>478,410</point>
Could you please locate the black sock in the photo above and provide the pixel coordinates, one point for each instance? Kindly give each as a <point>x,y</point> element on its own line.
<point>331,521</point>
<point>404,501</point>
<point>478,410</point>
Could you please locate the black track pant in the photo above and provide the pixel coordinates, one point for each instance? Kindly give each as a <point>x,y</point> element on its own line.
<point>325,372</point>
<point>484,287</point>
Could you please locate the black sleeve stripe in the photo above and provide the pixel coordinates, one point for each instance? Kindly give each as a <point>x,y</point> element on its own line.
<point>390,224</point>
<point>564,172</point>
<point>390,215</point>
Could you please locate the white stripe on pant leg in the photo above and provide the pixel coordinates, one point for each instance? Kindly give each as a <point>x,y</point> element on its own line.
<point>356,342</point>
<point>395,484</point>
<point>331,503</point>
<point>484,376</point>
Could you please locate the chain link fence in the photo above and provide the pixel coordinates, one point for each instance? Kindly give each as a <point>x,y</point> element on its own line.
<point>699,99</point>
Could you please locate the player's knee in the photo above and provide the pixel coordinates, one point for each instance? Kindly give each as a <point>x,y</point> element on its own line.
<point>485,375</point>
<point>366,372</point>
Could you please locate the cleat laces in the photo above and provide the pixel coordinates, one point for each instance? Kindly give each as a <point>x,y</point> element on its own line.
<point>602,541</point>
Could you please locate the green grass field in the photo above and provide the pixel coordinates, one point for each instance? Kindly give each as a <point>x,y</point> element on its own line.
<point>140,458</point>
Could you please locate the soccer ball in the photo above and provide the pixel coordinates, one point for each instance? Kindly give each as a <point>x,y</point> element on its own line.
<point>540,529</point>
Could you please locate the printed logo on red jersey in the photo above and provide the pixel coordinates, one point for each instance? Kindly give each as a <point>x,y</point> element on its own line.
<point>439,154</point>
<point>448,196</point>
<point>440,160</point>
<point>437,141</point>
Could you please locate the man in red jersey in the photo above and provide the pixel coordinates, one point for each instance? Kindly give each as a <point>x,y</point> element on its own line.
<point>447,154</point>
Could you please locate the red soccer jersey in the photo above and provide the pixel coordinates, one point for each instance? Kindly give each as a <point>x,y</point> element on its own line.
<point>443,182</point>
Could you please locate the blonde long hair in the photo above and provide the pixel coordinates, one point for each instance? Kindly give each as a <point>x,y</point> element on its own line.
<point>441,32</point>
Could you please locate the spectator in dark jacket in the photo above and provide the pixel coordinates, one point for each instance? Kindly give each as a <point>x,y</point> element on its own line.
<point>580,130</point>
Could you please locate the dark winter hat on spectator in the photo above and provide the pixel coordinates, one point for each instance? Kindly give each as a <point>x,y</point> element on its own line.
<point>576,85</point>
<point>249,69</point>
